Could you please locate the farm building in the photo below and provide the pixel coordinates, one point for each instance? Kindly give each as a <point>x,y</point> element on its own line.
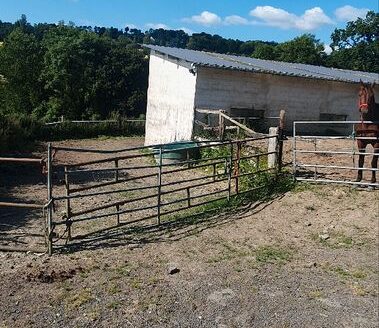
<point>182,80</point>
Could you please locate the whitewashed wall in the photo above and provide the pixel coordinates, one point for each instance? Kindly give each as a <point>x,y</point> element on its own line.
<point>302,98</point>
<point>170,101</point>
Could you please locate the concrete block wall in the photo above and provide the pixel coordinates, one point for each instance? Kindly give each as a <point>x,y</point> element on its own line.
<point>302,98</point>
<point>170,101</point>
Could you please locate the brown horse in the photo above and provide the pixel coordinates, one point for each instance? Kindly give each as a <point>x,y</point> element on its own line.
<point>369,111</point>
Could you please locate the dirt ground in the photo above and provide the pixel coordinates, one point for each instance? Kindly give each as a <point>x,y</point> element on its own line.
<point>307,258</point>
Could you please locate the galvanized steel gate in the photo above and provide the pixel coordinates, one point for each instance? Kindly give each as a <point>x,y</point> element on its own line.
<point>329,158</point>
<point>135,185</point>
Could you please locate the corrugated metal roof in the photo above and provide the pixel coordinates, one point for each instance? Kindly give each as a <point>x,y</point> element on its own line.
<point>240,63</point>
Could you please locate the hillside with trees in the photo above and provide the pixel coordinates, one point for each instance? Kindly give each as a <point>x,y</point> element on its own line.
<point>84,72</point>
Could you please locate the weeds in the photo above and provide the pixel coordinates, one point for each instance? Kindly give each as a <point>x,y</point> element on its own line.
<point>79,299</point>
<point>315,294</point>
<point>271,254</point>
<point>114,305</point>
<point>356,274</point>
<point>336,240</point>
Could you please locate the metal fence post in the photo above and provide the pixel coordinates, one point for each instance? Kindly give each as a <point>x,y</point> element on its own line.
<point>294,151</point>
<point>68,205</point>
<point>237,168</point>
<point>49,220</point>
<point>159,185</point>
<point>229,169</point>
<point>282,116</point>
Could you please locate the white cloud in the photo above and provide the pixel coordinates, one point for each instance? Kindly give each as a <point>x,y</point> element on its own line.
<point>157,26</point>
<point>311,19</point>
<point>206,18</point>
<point>348,13</point>
<point>235,20</point>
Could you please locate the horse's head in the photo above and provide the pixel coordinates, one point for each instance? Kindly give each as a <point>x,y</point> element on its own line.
<point>366,98</point>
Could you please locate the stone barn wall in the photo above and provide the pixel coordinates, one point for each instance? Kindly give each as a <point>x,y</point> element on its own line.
<point>170,101</point>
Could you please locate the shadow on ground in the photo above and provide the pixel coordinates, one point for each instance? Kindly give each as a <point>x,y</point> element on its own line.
<point>169,231</point>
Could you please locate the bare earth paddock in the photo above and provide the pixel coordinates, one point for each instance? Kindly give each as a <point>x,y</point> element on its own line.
<point>307,258</point>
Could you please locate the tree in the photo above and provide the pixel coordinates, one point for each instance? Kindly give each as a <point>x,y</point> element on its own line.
<point>304,49</point>
<point>265,51</point>
<point>21,65</point>
<point>357,46</point>
<point>91,76</point>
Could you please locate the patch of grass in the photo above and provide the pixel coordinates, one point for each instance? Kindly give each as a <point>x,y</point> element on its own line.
<point>358,290</point>
<point>315,294</point>
<point>78,299</point>
<point>341,272</point>
<point>94,315</point>
<point>136,283</point>
<point>303,186</point>
<point>150,158</point>
<point>356,274</point>
<point>114,305</point>
<point>337,240</point>
<point>272,254</point>
<point>122,270</point>
<point>114,289</point>
<point>228,253</point>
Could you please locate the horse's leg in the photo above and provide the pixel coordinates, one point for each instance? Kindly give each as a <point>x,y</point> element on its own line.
<point>374,162</point>
<point>361,149</point>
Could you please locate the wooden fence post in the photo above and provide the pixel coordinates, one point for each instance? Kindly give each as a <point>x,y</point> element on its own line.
<point>272,159</point>
<point>221,126</point>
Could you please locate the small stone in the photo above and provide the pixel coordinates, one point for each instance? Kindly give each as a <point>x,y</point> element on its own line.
<point>172,269</point>
<point>311,265</point>
<point>308,224</point>
<point>324,236</point>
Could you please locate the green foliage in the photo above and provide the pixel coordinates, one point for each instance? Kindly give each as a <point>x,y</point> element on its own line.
<point>265,51</point>
<point>305,49</point>
<point>17,132</point>
<point>54,70</point>
<point>357,46</point>
<point>20,65</point>
<point>271,254</point>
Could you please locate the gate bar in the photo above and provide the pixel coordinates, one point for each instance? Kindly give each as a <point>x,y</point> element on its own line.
<point>22,205</point>
<point>340,181</point>
<point>337,167</point>
<point>332,152</point>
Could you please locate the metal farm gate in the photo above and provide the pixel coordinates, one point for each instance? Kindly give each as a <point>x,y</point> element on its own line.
<point>91,190</point>
<point>332,157</point>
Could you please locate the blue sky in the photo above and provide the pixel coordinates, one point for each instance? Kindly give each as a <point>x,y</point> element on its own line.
<point>245,20</point>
